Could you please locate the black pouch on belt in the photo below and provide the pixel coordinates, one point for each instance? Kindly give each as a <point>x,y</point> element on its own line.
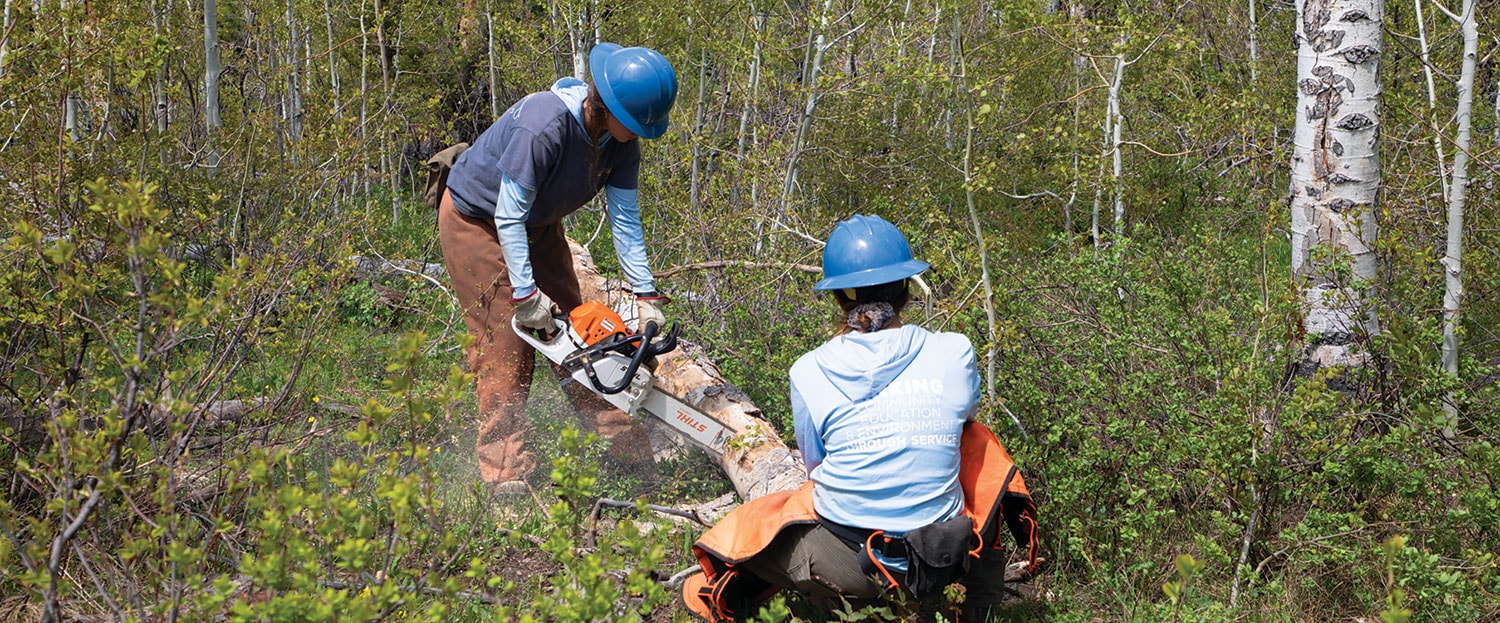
<point>939,554</point>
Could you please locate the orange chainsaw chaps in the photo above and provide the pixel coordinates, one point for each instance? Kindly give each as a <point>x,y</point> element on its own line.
<point>593,321</point>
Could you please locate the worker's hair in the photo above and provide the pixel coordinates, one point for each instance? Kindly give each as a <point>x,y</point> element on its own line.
<point>595,102</point>
<point>871,308</point>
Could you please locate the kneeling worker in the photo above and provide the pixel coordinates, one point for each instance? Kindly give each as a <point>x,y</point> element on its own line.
<point>906,490</point>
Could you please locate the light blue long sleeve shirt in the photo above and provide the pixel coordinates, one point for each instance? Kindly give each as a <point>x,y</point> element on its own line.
<point>878,417</point>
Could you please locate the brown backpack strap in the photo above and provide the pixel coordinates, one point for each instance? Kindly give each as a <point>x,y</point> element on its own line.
<point>438,168</point>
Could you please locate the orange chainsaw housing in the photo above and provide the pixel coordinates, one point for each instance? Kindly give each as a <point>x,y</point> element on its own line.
<point>593,321</point>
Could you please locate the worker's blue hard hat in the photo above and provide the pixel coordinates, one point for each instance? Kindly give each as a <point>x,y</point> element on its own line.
<point>638,85</point>
<point>866,251</point>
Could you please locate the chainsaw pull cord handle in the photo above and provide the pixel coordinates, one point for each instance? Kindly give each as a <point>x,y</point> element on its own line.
<point>635,361</point>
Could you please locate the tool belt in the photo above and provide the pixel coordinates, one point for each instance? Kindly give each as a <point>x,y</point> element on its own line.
<point>937,554</point>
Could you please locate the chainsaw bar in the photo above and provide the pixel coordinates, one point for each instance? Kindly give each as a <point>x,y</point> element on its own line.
<point>594,370</point>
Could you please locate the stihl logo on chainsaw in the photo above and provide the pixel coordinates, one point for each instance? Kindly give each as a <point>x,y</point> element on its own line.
<point>691,421</point>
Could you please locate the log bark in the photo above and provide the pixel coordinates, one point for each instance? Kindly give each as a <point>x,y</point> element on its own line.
<point>756,460</point>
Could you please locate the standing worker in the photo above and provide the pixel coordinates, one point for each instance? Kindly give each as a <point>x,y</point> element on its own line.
<point>906,491</point>
<point>500,221</point>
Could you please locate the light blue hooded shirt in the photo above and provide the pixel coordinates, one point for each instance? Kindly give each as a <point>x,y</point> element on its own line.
<point>878,418</point>
<point>513,205</point>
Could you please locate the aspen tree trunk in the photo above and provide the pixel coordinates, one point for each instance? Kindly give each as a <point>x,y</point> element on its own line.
<point>1115,121</point>
<point>1453,284</point>
<point>1075,15</point>
<point>385,105</point>
<point>70,117</point>
<point>333,72</point>
<point>953,58</point>
<point>1099,190</point>
<point>696,177</point>
<point>293,87</point>
<point>5,44</point>
<point>555,13</point>
<point>489,17</point>
<point>70,99</point>
<point>364,98</point>
<point>895,119</point>
<point>753,92</point>
<point>1336,175</point>
<point>576,43</point>
<point>389,151</point>
<point>1437,137</point>
<point>804,126</point>
<point>211,66</point>
<point>1255,49</point>
<point>162,104</point>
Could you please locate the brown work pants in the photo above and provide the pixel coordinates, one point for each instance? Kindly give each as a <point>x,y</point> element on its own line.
<point>503,363</point>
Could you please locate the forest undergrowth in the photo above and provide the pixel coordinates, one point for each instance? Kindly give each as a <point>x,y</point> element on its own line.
<point>209,411</point>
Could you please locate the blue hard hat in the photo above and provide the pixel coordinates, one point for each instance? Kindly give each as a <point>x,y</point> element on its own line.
<point>638,86</point>
<point>866,251</point>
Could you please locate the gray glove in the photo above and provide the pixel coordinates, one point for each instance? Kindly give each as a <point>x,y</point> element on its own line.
<point>648,309</point>
<point>534,311</point>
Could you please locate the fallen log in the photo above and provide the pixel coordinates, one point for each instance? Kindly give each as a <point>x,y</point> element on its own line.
<point>756,460</point>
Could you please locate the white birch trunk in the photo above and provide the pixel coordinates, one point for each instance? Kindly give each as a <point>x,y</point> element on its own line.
<point>696,178</point>
<point>1336,174</point>
<point>293,86</point>
<point>163,105</point>
<point>5,44</point>
<point>749,109</point>
<point>1099,192</point>
<point>1254,48</point>
<point>804,127</point>
<point>1115,121</point>
<point>70,100</point>
<point>577,47</point>
<point>364,99</point>
<point>70,117</point>
<point>333,71</point>
<point>895,119</point>
<point>1437,137</point>
<point>1453,285</point>
<point>211,66</point>
<point>489,17</point>
<point>984,260</point>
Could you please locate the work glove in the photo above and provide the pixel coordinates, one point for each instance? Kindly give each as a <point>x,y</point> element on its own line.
<point>534,311</point>
<point>648,309</point>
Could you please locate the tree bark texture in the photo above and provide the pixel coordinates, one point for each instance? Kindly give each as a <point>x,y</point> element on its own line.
<point>5,43</point>
<point>211,65</point>
<point>756,460</point>
<point>1336,175</point>
<point>1437,135</point>
<point>1453,284</point>
<point>1115,121</point>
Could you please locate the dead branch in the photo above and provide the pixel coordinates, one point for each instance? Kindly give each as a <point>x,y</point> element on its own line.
<point>806,268</point>
<point>589,540</point>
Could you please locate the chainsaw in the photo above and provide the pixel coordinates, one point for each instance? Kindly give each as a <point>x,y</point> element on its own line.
<point>594,345</point>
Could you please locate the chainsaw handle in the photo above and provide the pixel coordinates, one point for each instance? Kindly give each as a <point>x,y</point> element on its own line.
<point>665,344</point>
<point>630,370</point>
